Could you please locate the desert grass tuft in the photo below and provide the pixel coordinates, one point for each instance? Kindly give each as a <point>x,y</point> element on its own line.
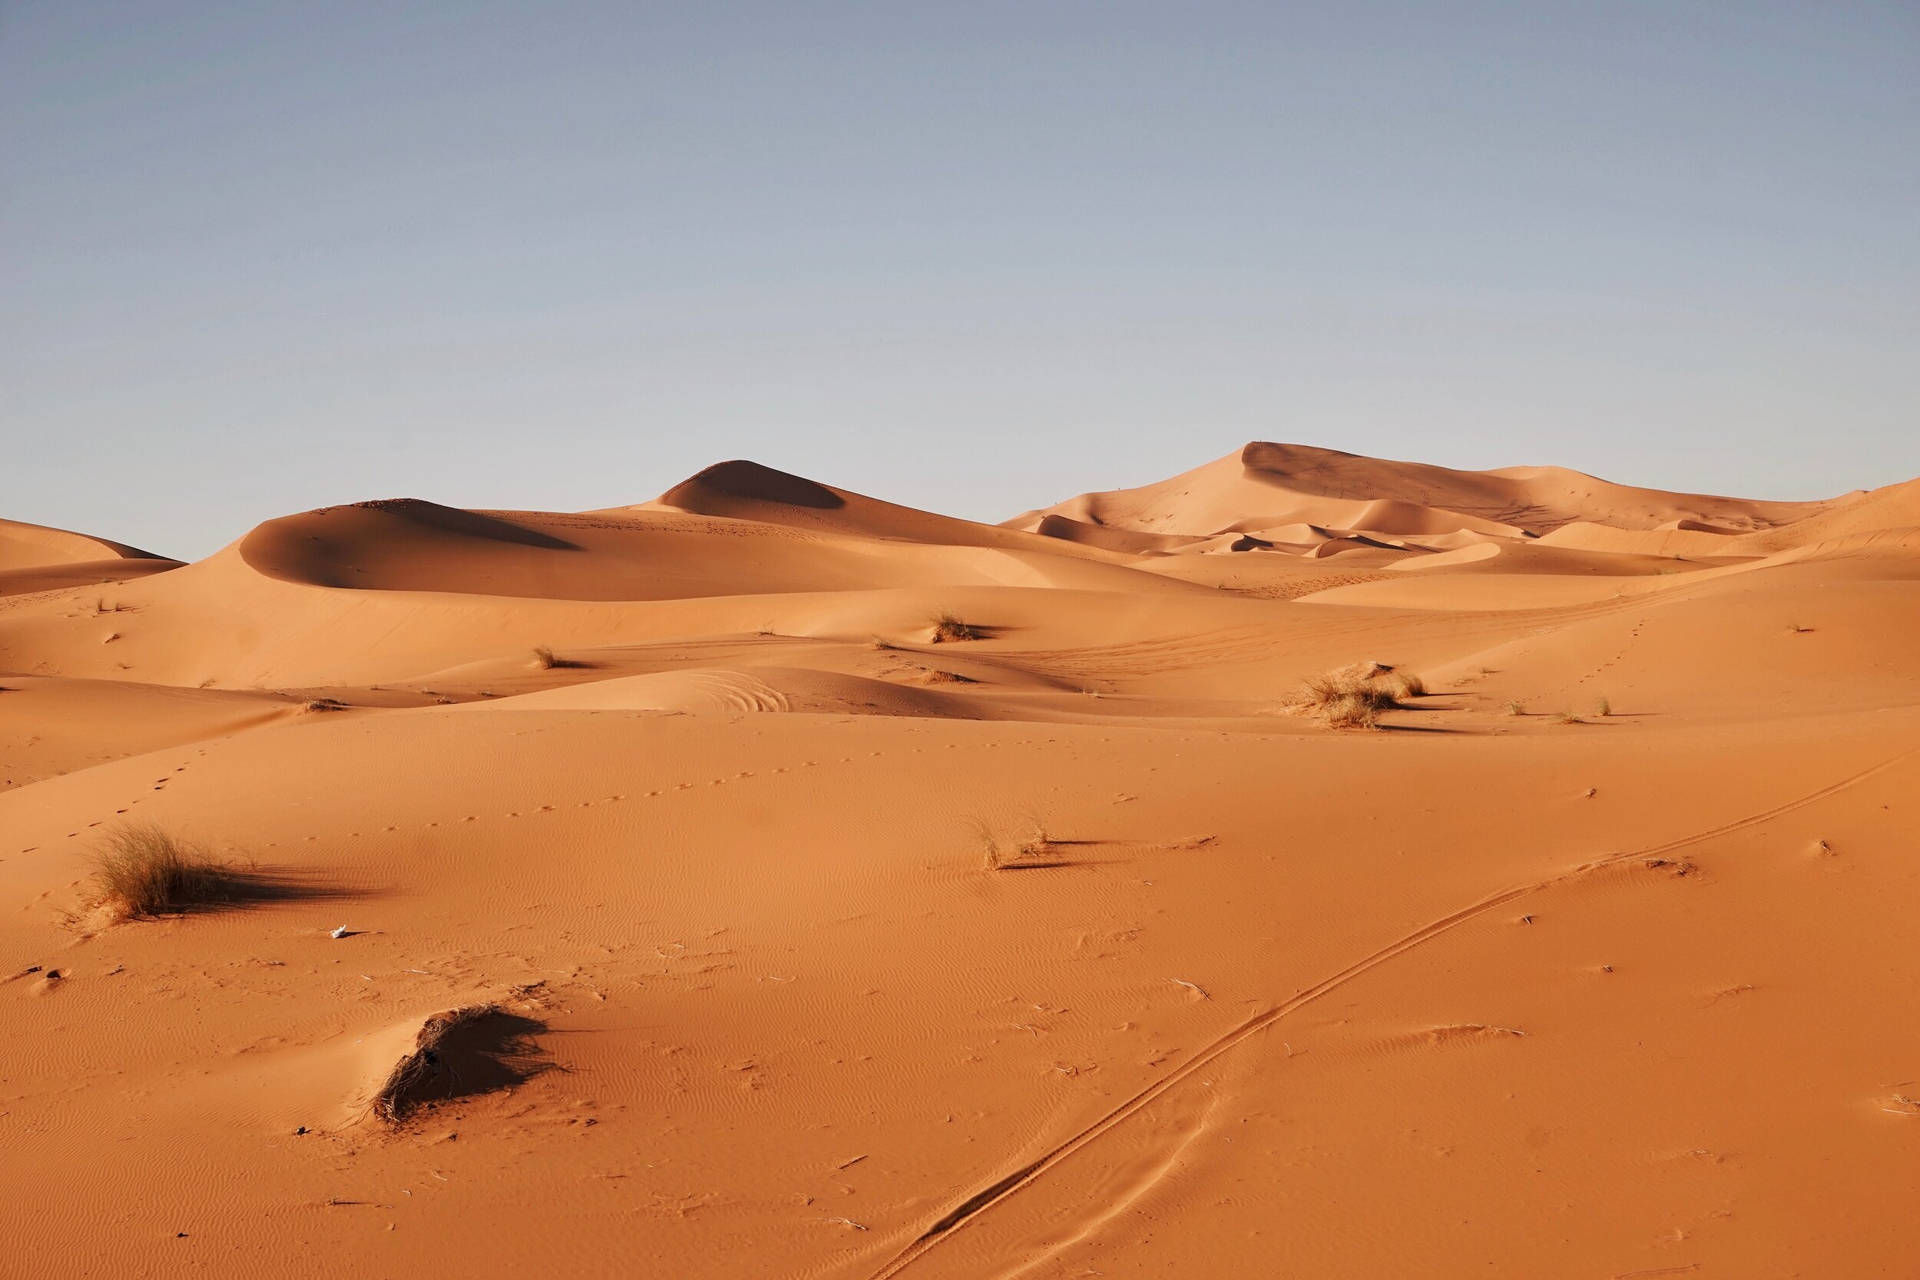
<point>143,871</point>
<point>1516,708</point>
<point>1030,852</point>
<point>948,627</point>
<point>1405,684</point>
<point>1603,707</point>
<point>545,659</point>
<point>1354,710</point>
<point>1353,697</point>
<point>1567,717</point>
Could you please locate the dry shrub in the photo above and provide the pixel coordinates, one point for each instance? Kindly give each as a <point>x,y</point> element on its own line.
<point>473,1049</point>
<point>323,704</point>
<point>1353,697</point>
<point>1405,684</point>
<point>948,626</point>
<point>544,658</point>
<point>1028,854</point>
<point>143,871</point>
<point>1356,709</point>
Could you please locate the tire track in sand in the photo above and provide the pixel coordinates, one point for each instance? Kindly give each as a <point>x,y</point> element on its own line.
<point>988,1196</point>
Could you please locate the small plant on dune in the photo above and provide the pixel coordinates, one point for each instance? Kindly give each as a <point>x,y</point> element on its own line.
<point>1353,697</point>
<point>1604,707</point>
<point>948,626</point>
<point>1024,853</point>
<point>1354,710</point>
<point>1516,708</point>
<point>1405,684</point>
<point>143,871</point>
<point>323,704</point>
<point>545,659</point>
<point>1567,717</point>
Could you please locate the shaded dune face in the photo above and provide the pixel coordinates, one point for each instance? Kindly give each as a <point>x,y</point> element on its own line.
<point>1412,871</point>
<point>726,483</point>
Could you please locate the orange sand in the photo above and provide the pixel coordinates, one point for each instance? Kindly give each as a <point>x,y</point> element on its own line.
<point>1483,993</point>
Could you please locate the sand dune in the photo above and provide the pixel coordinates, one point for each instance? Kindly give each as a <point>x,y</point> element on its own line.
<point>769,880</point>
<point>748,491</point>
<point>36,558</point>
<point>1273,484</point>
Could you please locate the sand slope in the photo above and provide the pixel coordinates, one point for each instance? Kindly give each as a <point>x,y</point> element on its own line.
<point>36,558</point>
<point>1591,961</point>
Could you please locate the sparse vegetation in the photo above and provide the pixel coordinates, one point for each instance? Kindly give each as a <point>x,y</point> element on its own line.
<point>948,627</point>
<point>1794,628</point>
<point>545,659</point>
<point>323,704</point>
<point>143,871</point>
<point>1353,697</point>
<point>1030,852</point>
<point>1567,717</point>
<point>1405,684</point>
<point>1516,708</point>
<point>1604,707</point>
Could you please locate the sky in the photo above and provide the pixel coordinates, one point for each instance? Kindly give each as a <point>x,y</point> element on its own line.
<point>259,257</point>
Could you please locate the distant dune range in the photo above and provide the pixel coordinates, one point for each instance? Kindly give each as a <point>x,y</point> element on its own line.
<point>1309,863</point>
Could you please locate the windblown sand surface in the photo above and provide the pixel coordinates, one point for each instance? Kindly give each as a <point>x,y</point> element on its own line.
<point>706,913</point>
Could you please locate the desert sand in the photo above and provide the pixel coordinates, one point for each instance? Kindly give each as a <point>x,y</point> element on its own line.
<point>1069,942</point>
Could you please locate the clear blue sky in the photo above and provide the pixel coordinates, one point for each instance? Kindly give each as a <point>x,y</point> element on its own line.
<point>261,256</point>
